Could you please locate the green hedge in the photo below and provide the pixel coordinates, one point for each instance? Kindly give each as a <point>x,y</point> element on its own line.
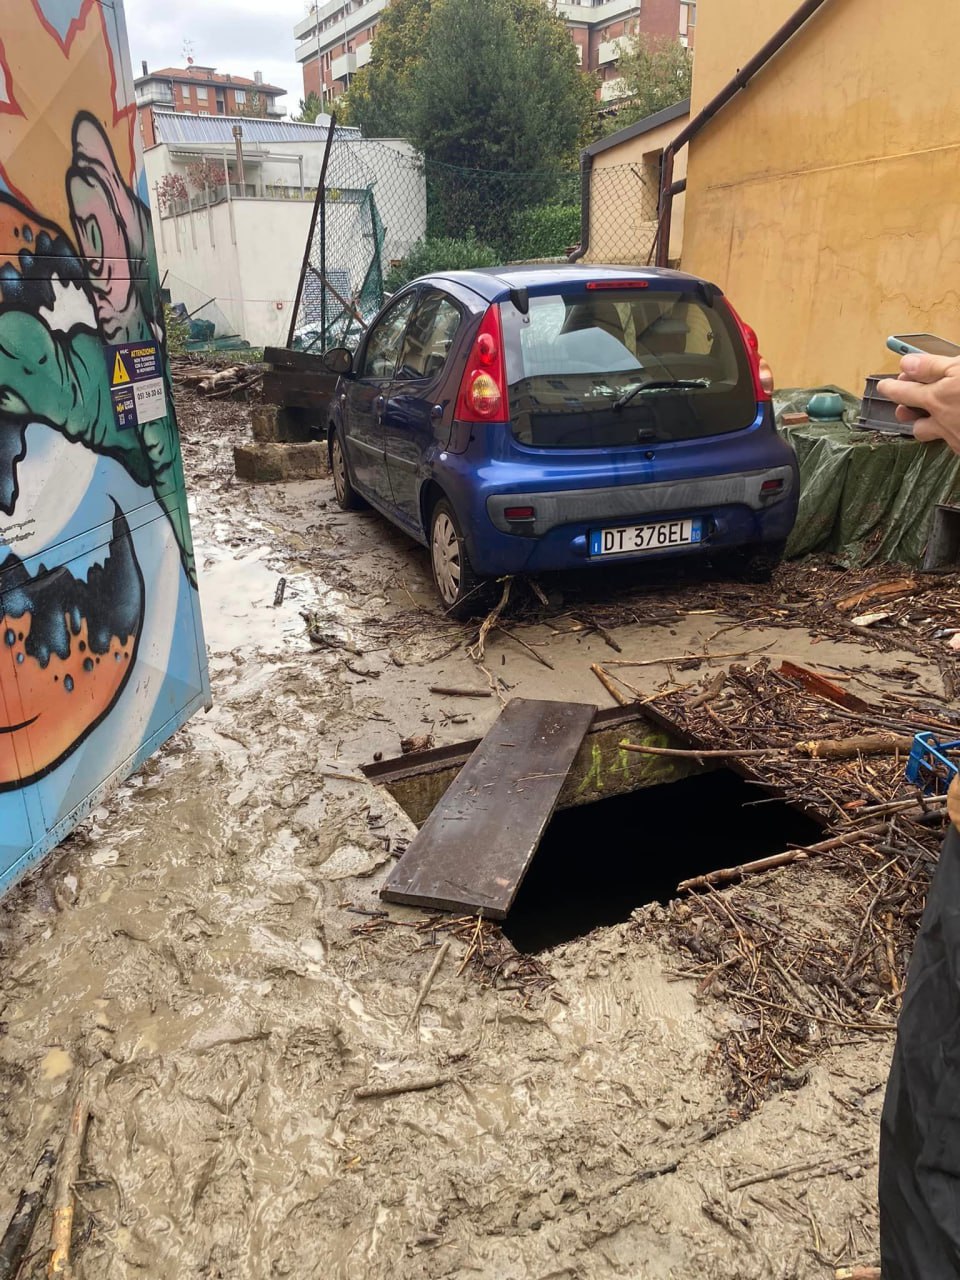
<point>440,253</point>
<point>546,231</point>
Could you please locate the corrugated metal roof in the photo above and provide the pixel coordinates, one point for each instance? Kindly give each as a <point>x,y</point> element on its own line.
<point>178,126</point>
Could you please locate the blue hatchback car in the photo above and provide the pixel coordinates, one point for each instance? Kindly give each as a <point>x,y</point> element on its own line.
<point>523,419</point>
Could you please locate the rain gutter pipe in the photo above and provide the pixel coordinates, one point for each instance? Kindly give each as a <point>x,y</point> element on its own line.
<point>669,188</point>
<point>586,167</point>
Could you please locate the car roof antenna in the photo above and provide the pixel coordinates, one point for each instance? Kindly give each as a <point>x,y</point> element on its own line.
<point>521,300</point>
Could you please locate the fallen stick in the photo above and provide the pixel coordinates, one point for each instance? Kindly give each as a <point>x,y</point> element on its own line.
<point>686,657</point>
<point>523,644</point>
<point>610,687</point>
<point>16,1238</point>
<point>726,874</point>
<point>870,744</point>
<point>447,691</point>
<point>68,1169</point>
<point>681,753</point>
<point>785,1170</point>
<point>491,620</point>
<point>427,984</point>
<point>406,1086</point>
<point>603,633</point>
<point>857,1273</point>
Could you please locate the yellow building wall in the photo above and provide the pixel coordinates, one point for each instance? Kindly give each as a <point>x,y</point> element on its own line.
<point>624,194</point>
<point>825,199</point>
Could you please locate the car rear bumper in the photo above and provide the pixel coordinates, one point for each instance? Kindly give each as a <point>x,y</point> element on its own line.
<point>626,503</point>
<point>732,511</point>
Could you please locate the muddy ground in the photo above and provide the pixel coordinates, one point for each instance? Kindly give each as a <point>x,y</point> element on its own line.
<point>197,946</point>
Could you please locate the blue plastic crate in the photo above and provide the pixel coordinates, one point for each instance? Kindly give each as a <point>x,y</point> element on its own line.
<point>930,766</point>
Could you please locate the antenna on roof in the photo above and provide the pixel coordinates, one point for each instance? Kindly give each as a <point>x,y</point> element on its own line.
<point>187,52</point>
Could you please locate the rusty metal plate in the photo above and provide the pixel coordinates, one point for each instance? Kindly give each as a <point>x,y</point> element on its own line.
<point>475,848</point>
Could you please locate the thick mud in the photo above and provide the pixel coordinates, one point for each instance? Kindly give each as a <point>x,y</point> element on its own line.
<point>192,949</point>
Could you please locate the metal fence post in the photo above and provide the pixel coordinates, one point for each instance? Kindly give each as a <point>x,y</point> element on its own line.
<point>318,211</point>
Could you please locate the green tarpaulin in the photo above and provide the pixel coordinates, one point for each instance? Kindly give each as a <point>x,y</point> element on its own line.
<point>864,496</point>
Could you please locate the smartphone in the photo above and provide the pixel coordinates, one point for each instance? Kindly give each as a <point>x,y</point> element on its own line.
<point>908,344</point>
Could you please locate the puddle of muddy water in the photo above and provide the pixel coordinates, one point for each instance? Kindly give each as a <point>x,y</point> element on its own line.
<point>236,597</point>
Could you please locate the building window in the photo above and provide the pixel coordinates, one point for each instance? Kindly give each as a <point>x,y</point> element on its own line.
<point>241,96</point>
<point>201,93</point>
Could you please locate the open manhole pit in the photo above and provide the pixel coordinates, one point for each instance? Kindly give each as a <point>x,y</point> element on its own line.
<point>626,830</point>
<point>598,862</point>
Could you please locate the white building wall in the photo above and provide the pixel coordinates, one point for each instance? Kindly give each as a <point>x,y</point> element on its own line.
<point>247,254</point>
<point>254,281</point>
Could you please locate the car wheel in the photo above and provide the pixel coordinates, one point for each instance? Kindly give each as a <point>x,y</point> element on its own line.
<point>453,576</point>
<point>758,564</point>
<point>347,497</point>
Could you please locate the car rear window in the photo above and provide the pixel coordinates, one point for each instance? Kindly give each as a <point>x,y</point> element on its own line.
<point>612,368</point>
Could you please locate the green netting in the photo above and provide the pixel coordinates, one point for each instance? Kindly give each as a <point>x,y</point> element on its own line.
<point>863,496</point>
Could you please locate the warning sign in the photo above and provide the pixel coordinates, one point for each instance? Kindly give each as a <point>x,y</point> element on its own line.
<point>136,383</point>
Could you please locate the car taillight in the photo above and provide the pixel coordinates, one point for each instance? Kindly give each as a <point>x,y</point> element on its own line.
<point>483,390</point>
<point>762,373</point>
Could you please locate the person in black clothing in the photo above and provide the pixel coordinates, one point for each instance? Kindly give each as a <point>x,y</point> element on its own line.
<point>919,1180</point>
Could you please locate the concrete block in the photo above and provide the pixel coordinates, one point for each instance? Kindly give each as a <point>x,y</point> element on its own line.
<point>307,461</point>
<point>275,424</point>
<point>271,463</point>
<point>259,463</point>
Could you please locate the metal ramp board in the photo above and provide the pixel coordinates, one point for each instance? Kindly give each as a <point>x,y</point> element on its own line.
<point>473,851</point>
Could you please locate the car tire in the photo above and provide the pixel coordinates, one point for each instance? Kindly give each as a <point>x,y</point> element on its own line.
<point>347,497</point>
<point>459,588</point>
<point>758,564</point>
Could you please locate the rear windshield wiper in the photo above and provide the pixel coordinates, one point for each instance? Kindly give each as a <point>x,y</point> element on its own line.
<point>659,384</point>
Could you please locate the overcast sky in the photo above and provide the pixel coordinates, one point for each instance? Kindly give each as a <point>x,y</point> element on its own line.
<point>239,36</point>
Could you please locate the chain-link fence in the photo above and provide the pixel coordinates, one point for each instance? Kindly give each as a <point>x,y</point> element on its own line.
<point>624,201</point>
<point>384,216</point>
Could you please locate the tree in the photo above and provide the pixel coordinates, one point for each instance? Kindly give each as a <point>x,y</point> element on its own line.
<point>255,106</point>
<point>382,93</point>
<point>310,108</point>
<point>657,75</point>
<point>206,174</point>
<point>492,96</point>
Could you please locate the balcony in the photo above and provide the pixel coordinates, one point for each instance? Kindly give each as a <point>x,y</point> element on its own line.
<point>364,54</point>
<point>343,66</point>
<point>609,51</point>
<point>155,94</point>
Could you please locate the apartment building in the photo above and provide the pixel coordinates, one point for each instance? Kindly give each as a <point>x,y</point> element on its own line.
<point>334,39</point>
<point>201,91</point>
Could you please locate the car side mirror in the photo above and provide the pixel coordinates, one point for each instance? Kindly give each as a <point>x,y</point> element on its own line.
<point>338,360</point>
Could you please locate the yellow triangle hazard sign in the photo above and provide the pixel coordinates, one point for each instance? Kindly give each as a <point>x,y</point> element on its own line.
<point>119,372</point>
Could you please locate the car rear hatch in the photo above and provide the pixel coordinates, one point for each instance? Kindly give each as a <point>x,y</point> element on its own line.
<point>626,365</point>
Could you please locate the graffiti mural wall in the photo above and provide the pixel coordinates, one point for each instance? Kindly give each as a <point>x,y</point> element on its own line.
<point>101,648</point>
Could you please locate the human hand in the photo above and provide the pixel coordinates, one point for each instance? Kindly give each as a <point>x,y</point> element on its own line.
<point>927,394</point>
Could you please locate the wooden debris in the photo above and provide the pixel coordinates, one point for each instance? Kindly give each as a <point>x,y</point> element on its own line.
<point>877,591</point>
<point>857,1273</point>
<point>448,691</point>
<point>402,1086</point>
<point>16,1238</point>
<point>727,874</point>
<point>416,742</point>
<point>610,687</point>
<point>68,1169</point>
<point>870,619</point>
<point>817,684</point>
<point>872,744</point>
<point>427,984</point>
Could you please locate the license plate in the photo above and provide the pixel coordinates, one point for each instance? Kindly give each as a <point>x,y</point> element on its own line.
<point>645,537</point>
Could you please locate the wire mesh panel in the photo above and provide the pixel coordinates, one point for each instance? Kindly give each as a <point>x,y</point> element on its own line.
<point>385,216</point>
<point>623,212</point>
<point>372,211</point>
